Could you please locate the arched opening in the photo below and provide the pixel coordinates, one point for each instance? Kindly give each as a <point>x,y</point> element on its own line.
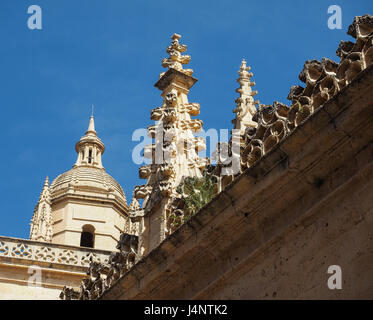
<point>87,237</point>
<point>90,156</point>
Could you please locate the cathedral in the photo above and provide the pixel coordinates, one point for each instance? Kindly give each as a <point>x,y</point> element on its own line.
<point>78,217</point>
<point>285,201</point>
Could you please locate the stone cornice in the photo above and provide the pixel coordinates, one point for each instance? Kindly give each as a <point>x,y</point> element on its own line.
<point>81,198</point>
<point>172,76</point>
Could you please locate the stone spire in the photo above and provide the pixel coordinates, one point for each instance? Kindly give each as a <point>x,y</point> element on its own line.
<point>90,148</point>
<point>91,126</point>
<point>41,222</point>
<point>245,109</point>
<point>174,153</point>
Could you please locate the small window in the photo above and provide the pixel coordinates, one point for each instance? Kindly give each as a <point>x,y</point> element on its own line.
<point>86,240</point>
<point>87,237</point>
<point>90,156</point>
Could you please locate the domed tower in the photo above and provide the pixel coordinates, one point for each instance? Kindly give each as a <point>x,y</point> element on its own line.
<point>87,206</point>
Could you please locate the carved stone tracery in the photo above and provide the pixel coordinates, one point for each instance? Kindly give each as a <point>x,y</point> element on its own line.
<point>323,80</point>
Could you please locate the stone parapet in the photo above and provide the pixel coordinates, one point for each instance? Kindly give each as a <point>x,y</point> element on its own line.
<point>14,249</point>
<point>58,265</point>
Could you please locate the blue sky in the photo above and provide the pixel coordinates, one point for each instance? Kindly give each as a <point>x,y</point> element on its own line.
<point>109,53</point>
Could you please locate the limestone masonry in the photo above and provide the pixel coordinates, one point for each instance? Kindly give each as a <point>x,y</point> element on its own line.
<point>300,200</point>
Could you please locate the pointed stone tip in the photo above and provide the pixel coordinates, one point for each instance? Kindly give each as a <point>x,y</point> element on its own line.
<point>91,126</point>
<point>243,71</point>
<point>175,36</point>
<point>243,64</point>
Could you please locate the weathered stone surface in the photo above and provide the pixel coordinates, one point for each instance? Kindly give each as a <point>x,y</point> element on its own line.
<point>274,234</point>
<point>59,266</point>
<point>268,232</point>
<point>174,153</point>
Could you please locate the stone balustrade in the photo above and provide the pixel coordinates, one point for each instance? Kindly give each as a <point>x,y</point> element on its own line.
<point>22,249</point>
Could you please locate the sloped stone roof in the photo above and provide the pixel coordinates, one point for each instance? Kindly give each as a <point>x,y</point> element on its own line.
<point>87,178</point>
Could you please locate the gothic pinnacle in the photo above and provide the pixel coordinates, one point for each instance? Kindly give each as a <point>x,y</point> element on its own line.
<point>245,104</point>
<point>46,182</point>
<point>45,191</point>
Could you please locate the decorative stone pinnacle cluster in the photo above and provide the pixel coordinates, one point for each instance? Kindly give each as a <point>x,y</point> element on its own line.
<point>174,153</point>
<point>323,80</point>
<point>245,102</point>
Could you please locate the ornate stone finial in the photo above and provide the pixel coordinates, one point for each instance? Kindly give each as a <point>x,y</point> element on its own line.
<point>176,59</point>
<point>245,102</point>
<point>41,222</point>
<point>243,72</point>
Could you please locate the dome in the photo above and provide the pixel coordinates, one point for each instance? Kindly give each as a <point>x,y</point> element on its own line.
<point>87,179</point>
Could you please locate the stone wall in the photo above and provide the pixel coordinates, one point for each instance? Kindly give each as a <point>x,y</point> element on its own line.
<point>273,233</point>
